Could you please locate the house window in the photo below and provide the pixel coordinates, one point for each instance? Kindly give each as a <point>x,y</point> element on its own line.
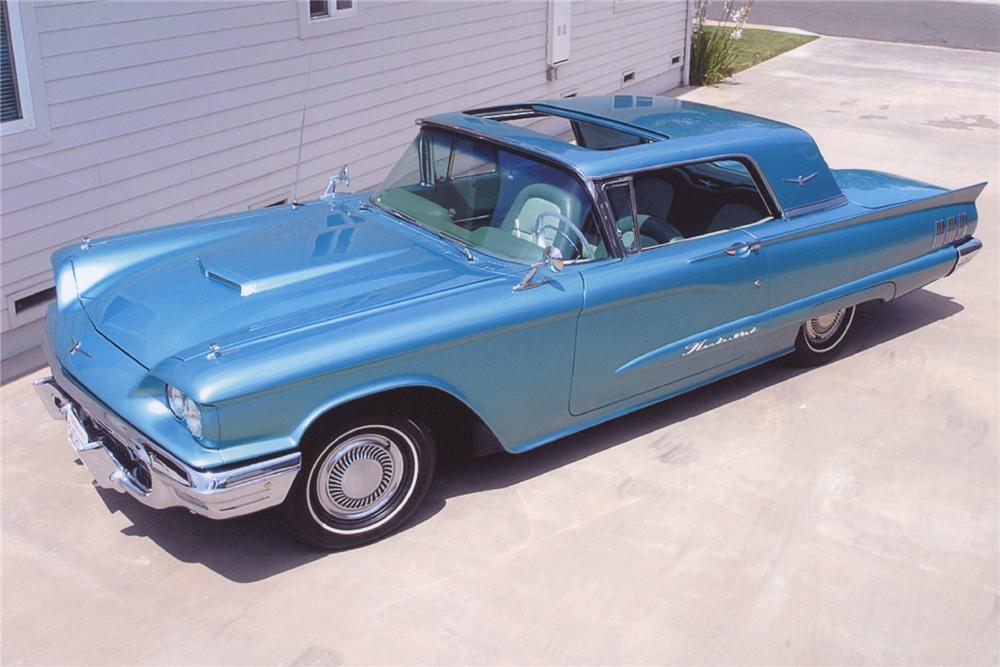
<point>324,9</point>
<point>10,98</point>
<point>17,106</point>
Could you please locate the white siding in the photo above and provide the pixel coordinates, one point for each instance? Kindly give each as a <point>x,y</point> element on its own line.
<point>164,111</point>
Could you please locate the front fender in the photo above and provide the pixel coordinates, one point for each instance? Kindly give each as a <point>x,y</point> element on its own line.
<point>268,420</point>
<point>382,386</point>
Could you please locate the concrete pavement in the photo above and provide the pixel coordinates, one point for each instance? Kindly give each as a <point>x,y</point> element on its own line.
<point>841,515</point>
<point>960,25</point>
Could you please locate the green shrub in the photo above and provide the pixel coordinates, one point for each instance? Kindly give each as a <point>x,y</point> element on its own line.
<point>713,48</point>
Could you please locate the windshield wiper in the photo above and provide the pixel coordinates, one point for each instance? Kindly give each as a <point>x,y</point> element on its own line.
<point>454,240</point>
<point>459,243</point>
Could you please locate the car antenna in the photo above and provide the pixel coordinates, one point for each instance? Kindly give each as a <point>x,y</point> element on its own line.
<point>302,131</point>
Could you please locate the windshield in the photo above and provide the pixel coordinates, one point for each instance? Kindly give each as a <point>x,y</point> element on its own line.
<point>491,200</point>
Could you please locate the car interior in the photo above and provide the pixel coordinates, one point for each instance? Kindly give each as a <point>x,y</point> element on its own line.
<point>692,200</point>
<point>513,206</point>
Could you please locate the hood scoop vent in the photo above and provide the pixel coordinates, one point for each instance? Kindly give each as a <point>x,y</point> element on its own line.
<point>241,284</point>
<point>253,272</point>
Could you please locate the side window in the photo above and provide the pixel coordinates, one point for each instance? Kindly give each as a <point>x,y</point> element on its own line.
<point>458,157</point>
<point>472,158</point>
<point>439,146</point>
<point>693,200</point>
<point>620,198</point>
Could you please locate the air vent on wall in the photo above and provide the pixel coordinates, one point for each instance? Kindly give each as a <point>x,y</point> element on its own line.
<point>34,299</point>
<point>29,304</point>
<point>675,59</point>
<point>628,77</point>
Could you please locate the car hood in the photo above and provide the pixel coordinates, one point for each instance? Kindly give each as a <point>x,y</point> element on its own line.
<point>295,268</point>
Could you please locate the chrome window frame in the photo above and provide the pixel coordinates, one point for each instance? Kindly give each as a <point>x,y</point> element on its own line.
<point>753,169</point>
<point>626,182</point>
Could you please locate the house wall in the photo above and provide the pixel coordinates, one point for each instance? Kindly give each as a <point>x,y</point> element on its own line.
<point>148,113</point>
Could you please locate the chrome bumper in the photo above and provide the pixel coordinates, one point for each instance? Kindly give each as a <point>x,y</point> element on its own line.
<point>966,251</point>
<point>122,459</point>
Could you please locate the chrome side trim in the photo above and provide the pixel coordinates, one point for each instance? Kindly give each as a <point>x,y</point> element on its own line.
<point>816,206</point>
<point>217,494</point>
<point>938,234</point>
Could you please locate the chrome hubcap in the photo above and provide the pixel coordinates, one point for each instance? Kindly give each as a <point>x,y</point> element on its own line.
<point>359,476</point>
<point>823,328</point>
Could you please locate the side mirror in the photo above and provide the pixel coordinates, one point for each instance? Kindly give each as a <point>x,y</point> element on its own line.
<point>551,258</point>
<point>343,177</point>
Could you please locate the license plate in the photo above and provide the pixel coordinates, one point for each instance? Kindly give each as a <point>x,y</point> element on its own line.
<point>76,433</point>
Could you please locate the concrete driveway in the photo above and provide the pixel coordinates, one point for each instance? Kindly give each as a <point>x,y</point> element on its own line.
<point>846,514</point>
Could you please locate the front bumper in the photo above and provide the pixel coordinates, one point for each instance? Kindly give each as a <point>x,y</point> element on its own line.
<point>122,459</point>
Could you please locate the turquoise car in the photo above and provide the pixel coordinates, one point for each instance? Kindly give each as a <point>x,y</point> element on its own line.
<point>524,272</point>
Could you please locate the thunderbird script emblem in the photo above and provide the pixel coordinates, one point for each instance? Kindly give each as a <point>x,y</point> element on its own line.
<point>801,180</point>
<point>78,347</point>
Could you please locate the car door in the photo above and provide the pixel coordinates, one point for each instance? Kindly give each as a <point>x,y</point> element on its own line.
<point>668,316</point>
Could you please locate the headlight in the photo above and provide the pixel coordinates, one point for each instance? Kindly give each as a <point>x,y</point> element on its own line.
<point>175,399</point>
<point>192,417</point>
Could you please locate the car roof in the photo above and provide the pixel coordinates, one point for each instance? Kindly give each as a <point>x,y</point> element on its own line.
<point>676,130</point>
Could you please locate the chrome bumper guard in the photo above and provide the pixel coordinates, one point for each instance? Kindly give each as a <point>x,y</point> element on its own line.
<point>966,251</point>
<point>122,459</point>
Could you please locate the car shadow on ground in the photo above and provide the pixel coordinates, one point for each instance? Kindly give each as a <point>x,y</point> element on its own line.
<point>255,547</point>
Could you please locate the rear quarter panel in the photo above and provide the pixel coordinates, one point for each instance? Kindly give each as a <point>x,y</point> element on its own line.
<point>813,255</point>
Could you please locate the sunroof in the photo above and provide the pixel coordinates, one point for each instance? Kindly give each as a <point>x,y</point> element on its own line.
<point>594,136</point>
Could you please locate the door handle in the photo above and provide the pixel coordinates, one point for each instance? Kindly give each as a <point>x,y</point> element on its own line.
<point>750,246</point>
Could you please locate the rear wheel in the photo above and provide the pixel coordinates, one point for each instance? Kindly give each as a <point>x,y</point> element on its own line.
<point>361,479</point>
<point>821,338</point>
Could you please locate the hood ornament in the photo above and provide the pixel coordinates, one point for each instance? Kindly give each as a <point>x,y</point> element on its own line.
<point>801,180</point>
<point>343,177</point>
<point>78,347</point>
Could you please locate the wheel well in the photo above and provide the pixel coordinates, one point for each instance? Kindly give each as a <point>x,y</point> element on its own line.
<point>455,426</point>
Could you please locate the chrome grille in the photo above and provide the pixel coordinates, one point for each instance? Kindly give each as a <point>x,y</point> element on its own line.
<point>138,470</point>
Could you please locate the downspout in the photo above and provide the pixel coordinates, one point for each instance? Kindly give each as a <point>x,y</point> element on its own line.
<point>686,70</point>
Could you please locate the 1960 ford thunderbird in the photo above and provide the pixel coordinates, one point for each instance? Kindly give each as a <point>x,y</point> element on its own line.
<point>524,272</point>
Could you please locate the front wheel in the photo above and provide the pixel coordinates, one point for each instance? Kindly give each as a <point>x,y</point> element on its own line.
<point>361,479</point>
<point>821,338</point>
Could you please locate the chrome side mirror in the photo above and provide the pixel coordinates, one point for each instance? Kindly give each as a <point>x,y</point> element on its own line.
<point>551,258</point>
<point>343,177</point>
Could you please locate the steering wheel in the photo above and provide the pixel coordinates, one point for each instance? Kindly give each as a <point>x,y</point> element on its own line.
<point>584,245</point>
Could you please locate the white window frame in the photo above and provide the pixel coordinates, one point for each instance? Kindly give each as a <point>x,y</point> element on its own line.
<point>336,21</point>
<point>332,12</point>
<point>21,77</point>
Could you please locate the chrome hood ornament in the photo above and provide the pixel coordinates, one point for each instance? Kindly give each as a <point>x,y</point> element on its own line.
<point>78,347</point>
<point>343,177</point>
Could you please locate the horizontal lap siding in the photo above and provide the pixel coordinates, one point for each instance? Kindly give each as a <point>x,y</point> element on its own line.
<point>164,111</point>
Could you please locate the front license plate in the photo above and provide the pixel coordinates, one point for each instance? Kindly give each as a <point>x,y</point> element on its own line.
<point>76,433</point>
